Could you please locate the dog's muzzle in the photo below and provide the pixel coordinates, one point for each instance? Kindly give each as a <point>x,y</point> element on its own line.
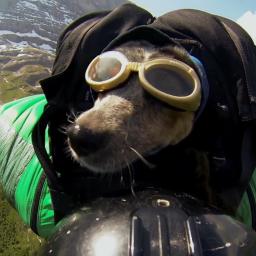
<point>85,141</point>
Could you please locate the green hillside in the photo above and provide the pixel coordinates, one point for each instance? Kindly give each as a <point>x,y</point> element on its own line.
<point>21,71</point>
<point>15,238</point>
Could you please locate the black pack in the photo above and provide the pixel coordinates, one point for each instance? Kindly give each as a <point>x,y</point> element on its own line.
<point>224,129</point>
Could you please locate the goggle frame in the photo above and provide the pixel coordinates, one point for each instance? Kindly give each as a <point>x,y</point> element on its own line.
<point>189,102</point>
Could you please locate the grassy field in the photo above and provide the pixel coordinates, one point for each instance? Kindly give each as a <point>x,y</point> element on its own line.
<point>16,239</point>
<point>13,87</point>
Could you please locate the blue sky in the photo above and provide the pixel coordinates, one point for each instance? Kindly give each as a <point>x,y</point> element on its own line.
<point>232,9</point>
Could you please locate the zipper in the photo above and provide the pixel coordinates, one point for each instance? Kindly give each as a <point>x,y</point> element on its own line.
<point>36,201</point>
<point>252,205</point>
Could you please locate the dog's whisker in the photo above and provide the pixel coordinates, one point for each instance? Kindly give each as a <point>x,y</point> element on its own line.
<point>67,150</point>
<point>63,129</point>
<point>70,119</point>
<point>68,153</point>
<point>91,93</point>
<point>73,113</point>
<point>72,116</point>
<point>144,160</point>
<point>132,180</point>
<point>121,177</point>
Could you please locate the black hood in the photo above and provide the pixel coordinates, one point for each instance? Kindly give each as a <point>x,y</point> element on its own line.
<point>223,48</point>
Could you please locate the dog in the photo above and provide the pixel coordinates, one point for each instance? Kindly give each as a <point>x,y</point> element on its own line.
<point>127,124</point>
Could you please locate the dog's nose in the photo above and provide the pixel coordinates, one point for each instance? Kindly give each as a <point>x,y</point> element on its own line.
<point>85,141</point>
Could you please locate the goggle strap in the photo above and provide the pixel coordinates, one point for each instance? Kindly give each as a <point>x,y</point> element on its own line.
<point>205,91</point>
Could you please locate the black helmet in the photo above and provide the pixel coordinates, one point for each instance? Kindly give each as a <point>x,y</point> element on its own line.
<point>152,223</point>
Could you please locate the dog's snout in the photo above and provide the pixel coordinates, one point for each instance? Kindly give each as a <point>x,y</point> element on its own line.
<point>84,140</point>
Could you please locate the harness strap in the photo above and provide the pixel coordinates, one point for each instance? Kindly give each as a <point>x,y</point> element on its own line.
<point>38,140</point>
<point>62,203</point>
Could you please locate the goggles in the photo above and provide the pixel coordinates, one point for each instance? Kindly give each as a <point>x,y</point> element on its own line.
<point>166,79</point>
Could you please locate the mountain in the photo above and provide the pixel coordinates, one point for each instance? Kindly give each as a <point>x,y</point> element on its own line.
<point>29,30</point>
<point>38,23</point>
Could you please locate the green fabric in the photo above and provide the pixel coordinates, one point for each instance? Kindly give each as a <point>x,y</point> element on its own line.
<point>26,188</point>
<point>23,114</point>
<point>20,170</point>
<point>244,211</point>
<point>45,223</point>
<point>253,184</point>
<point>15,154</point>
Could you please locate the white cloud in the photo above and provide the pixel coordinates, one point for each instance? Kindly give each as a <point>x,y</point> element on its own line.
<point>248,22</point>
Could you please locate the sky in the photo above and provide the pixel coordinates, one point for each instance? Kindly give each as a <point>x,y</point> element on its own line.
<point>241,11</point>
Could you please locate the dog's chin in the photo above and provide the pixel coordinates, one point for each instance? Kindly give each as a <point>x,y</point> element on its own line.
<point>94,167</point>
<point>97,164</point>
<point>113,164</point>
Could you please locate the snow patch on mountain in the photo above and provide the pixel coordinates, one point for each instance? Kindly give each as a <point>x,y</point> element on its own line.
<point>28,5</point>
<point>29,34</point>
<point>38,23</point>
